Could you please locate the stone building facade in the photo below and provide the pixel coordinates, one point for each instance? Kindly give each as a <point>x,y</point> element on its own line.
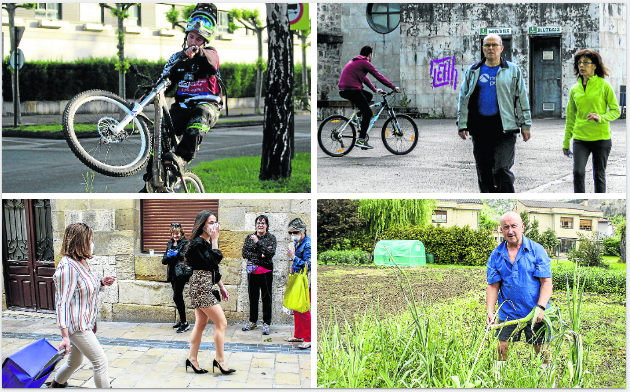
<point>433,45</point>
<point>141,293</point>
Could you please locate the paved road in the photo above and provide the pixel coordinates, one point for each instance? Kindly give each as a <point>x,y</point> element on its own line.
<point>152,355</point>
<point>442,162</point>
<point>40,165</point>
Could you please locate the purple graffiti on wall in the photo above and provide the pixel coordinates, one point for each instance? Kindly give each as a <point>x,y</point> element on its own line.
<point>444,72</point>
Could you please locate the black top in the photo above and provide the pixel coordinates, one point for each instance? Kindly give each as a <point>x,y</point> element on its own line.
<point>201,256</point>
<point>171,261</point>
<point>253,251</point>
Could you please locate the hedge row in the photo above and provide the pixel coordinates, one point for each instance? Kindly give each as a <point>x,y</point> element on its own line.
<point>344,257</point>
<point>56,81</point>
<point>598,280</point>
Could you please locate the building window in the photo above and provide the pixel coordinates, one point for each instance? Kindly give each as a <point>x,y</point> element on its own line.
<point>566,223</point>
<point>439,216</point>
<point>91,13</point>
<point>586,224</point>
<point>566,244</point>
<point>157,215</point>
<point>160,16</point>
<point>48,11</point>
<point>134,16</point>
<point>383,17</point>
<point>223,24</point>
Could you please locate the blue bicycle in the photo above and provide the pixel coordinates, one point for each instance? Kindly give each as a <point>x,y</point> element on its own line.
<point>337,134</point>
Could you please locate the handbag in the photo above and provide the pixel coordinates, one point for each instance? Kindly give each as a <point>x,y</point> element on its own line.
<point>296,294</point>
<point>182,269</point>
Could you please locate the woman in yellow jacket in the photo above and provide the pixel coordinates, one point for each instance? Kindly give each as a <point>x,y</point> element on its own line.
<point>592,106</point>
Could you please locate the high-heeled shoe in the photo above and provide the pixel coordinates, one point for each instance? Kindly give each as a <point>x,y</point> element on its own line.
<point>216,364</point>
<point>188,363</point>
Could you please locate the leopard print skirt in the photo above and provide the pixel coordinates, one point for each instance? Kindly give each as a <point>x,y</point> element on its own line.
<point>201,288</point>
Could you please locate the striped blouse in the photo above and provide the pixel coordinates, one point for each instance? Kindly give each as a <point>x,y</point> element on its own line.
<point>76,296</point>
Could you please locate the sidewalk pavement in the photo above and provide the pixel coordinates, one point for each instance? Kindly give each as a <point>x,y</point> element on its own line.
<point>152,355</point>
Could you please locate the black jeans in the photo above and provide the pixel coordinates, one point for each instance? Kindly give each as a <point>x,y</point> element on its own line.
<point>192,124</point>
<point>361,99</point>
<point>494,156</point>
<point>178,296</point>
<point>257,284</point>
<point>581,150</point>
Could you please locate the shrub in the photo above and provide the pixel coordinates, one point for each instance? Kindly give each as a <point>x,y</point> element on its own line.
<point>597,280</point>
<point>589,252</point>
<point>345,257</point>
<point>611,246</point>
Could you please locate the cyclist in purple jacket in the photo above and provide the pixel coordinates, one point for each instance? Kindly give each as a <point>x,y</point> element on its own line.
<point>353,76</point>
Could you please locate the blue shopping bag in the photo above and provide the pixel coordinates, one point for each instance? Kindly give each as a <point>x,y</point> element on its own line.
<point>31,366</point>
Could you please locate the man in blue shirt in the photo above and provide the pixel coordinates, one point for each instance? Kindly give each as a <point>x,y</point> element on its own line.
<point>493,109</point>
<point>519,278</point>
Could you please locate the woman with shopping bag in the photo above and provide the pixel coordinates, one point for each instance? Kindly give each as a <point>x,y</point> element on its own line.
<point>299,252</point>
<point>76,292</point>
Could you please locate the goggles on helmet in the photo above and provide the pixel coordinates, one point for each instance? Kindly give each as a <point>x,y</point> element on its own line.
<point>201,24</point>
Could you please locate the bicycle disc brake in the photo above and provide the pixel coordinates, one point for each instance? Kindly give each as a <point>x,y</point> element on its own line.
<point>106,126</point>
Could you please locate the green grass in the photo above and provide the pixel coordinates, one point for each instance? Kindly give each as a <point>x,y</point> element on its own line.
<point>56,127</point>
<point>614,263</point>
<point>240,175</point>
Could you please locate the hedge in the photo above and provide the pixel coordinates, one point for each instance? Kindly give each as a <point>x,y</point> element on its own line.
<point>344,257</point>
<point>598,280</point>
<point>56,81</point>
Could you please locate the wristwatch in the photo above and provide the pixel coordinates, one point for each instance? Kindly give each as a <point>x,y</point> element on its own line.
<point>542,307</point>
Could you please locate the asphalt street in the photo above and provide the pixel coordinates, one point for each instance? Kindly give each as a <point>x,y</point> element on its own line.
<point>44,165</point>
<point>443,163</point>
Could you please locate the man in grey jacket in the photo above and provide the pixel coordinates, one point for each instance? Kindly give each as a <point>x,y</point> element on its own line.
<point>493,109</point>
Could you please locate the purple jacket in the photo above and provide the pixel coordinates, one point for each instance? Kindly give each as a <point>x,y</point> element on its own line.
<point>355,74</point>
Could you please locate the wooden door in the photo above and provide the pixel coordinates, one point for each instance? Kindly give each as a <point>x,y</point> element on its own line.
<point>28,256</point>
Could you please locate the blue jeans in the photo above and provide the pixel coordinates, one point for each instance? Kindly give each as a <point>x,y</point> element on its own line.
<point>581,150</point>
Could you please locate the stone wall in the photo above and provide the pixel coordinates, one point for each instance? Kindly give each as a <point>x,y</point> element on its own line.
<point>141,292</point>
<point>438,32</point>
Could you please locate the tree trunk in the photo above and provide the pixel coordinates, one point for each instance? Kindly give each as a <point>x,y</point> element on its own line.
<point>276,151</point>
<point>304,70</point>
<point>259,73</point>
<point>121,54</point>
<point>622,248</point>
<point>17,120</point>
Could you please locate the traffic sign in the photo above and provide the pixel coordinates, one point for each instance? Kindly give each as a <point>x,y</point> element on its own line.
<point>17,61</point>
<point>298,16</point>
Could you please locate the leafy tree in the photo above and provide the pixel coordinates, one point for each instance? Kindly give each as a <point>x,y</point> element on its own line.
<point>250,19</point>
<point>121,12</point>
<point>549,240</point>
<point>304,92</point>
<point>589,252</point>
<point>276,149</point>
<point>486,222</point>
<point>10,8</point>
<point>336,220</point>
<point>173,16</point>
<point>381,214</point>
<point>531,228</point>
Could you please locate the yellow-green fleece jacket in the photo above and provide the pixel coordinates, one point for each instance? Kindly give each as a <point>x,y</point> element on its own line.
<point>598,98</point>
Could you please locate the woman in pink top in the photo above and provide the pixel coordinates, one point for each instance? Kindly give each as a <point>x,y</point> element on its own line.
<point>77,290</point>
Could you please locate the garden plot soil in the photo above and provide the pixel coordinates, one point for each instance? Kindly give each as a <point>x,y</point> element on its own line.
<point>351,289</point>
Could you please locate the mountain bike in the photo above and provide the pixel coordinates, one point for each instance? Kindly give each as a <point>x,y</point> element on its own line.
<point>121,141</point>
<point>337,134</point>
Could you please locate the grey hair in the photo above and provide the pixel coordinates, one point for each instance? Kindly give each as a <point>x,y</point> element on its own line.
<point>297,223</point>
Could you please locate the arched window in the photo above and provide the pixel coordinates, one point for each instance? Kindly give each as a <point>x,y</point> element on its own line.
<point>383,17</point>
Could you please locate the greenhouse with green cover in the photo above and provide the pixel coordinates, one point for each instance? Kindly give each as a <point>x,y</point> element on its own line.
<point>406,253</point>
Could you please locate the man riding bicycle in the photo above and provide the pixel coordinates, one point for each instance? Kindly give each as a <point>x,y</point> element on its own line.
<point>199,96</point>
<point>353,76</point>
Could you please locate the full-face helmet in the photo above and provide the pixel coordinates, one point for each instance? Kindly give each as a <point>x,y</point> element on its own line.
<point>203,21</point>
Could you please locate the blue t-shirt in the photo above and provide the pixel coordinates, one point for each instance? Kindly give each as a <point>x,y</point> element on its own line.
<point>520,286</point>
<point>487,83</point>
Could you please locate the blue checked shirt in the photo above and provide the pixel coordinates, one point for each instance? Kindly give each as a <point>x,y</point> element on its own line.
<point>520,285</point>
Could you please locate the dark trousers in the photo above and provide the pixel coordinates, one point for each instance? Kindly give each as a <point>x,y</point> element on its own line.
<point>581,150</point>
<point>361,99</point>
<point>192,124</point>
<point>178,296</point>
<point>494,157</point>
<point>258,284</point>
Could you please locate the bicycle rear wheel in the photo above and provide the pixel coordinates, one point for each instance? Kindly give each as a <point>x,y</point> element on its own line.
<point>88,121</point>
<point>331,139</point>
<point>400,134</point>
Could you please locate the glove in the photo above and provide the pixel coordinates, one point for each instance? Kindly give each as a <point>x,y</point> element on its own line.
<point>171,253</point>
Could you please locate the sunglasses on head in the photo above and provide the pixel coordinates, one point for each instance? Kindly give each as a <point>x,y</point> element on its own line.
<point>175,225</point>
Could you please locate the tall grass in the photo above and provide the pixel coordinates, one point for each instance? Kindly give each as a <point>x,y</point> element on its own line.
<point>439,346</point>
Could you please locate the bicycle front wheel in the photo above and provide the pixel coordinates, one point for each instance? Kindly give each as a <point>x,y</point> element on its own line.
<point>336,136</point>
<point>400,134</point>
<point>192,183</point>
<point>88,123</point>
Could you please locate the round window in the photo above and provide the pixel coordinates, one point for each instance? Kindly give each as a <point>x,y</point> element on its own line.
<point>383,18</point>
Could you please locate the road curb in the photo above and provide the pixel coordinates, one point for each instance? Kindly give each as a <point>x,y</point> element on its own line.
<point>11,132</point>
